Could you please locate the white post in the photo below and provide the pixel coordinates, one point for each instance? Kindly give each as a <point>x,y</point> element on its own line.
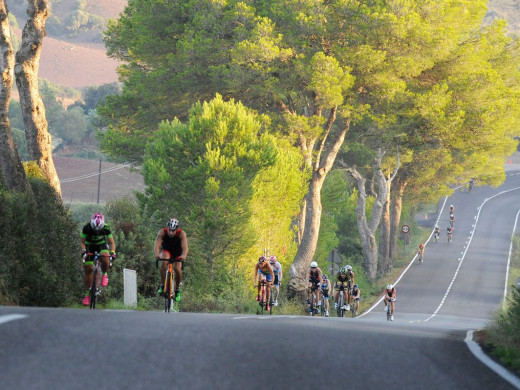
<point>130,287</point>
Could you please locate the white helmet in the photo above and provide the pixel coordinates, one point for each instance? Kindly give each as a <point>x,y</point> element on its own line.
<point>389,287</point>
<point>314,264</point>
<point>173,224</point>
<point>349,268</point>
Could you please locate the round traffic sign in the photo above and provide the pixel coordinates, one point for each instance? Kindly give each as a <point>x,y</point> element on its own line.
<point>405,229</point>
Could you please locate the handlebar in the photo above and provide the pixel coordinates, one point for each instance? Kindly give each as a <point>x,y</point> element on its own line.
<point>176,260</point>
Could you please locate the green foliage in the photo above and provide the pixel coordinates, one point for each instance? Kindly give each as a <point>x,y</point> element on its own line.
<point>39,249</point>
<point>71,126</point>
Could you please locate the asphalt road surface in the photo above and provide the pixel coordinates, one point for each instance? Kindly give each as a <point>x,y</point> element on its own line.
<point>457,288</point>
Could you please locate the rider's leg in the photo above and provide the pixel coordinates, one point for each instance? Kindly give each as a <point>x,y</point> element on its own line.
<point>178,274</point>
<point>88,274</point>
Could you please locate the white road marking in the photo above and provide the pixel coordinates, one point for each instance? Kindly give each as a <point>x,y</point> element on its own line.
<point>11,317</point>
<point>475,349</point>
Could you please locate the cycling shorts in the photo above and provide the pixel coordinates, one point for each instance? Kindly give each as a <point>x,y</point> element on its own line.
<point>276,280</point>
<point>265,276</point>
<point>325,293</point>
<point>102,249</point>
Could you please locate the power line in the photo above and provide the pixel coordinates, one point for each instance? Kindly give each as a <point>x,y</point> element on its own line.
<point>88,175</point>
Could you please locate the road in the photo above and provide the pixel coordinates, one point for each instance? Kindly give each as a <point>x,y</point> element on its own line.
<point>456,289</point>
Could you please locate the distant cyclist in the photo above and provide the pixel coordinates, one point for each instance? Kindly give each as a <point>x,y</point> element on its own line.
<point>437,233</point>
<point>452,219</point>
<point>325,290</point>
<point>449,232</point>
<point>171,243</point>
<point>343,284</point>
<point>96,236</point>
<point>277,270</point>
<point>356,297</point>
<point>390,295</point>
<point>452,209</point>
<point>420,252</point>
<point>471,183</point>
<point>263,271</point>
<point>313,282</point>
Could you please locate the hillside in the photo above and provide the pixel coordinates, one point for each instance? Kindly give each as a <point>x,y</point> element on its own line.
<point>80,60</point>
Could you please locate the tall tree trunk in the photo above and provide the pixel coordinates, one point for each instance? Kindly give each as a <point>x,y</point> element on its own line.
<point>367,229</point>
<point>325,158</point>
<point>384,235</point>
<point>10,163</point>
<point>395,216</point>
<point>33,110</point>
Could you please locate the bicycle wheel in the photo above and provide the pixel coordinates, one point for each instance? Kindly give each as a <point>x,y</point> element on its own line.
<point>168,292</point>
<point>271,303</point>
<point>340,304</point>
<point>262,300</point>
<point>323,306</point>
<point>93,288</point>
<point>389,312</point>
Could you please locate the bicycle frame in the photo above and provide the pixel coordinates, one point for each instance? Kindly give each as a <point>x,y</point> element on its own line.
<point>263,298</point>
<point>169,282</point>
<point>95,287</point>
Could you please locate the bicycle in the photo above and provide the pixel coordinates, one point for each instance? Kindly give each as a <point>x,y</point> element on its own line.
<point>436,236</point>
<point>313,303</point>
<point>353,308</point>
<point>390,311</point>
<point>450,237</point>
<point>168,284</point>
<point>95,287</point>
<point>263,300</point>
<point>323,303</point>
<point>340,310</point>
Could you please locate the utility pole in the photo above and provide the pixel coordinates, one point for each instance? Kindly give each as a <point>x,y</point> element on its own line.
<point>99,180</point>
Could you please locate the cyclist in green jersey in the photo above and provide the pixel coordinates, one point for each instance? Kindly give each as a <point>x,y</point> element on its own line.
<point>96,236</point>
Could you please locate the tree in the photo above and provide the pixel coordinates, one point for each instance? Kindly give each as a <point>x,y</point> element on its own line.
<point>12,168</point>
<point>33,110</point>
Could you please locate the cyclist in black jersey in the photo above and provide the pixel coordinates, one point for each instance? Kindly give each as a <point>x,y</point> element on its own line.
<point>171,243</point>
<point>313,282</point>
<point>345,280</point>
<point>96,236</point>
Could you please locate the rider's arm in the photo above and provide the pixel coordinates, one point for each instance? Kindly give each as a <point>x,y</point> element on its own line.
<point>82,244</point>
<point>158,243</point>
<point>111,244</point>
<point>271,271</point>
<point>184,245</point>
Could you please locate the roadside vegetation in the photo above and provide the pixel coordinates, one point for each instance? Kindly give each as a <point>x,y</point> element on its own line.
<point>501,338</point>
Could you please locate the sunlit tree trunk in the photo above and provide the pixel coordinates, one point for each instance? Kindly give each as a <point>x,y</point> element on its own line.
<point>33,110</point>
<point>10,163</point>
<point>324,159</point>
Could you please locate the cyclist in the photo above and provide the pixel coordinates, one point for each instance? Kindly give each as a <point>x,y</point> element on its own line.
<point>390,295</point>
<point>313,282</point>
<point>356,297</point>
<point>277,269</point>
<point>449,231</point>
<point>325,290</point>
<point>263,271</point>
<point>96,236</point>
<point>420,252</point>
<point>452,209</point>
<point>171,243</point>
<point>437,232</point>
<point>452,219</point>
<point>471,182</point>
<point>343,279</point>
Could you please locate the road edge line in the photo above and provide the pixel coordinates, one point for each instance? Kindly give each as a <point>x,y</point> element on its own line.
<point>476,350</point>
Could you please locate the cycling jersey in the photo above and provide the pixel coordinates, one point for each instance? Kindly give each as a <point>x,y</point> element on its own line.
<point>172,244</point>
<point>356,294</point>
<point>390,293</point>
<point>325,288</point>
<point>344,278</point>
<point>265,272</point>
<point>93,237</point>
<point>277,267</point>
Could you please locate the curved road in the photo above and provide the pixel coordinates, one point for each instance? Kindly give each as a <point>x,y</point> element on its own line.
<point>456,289</point>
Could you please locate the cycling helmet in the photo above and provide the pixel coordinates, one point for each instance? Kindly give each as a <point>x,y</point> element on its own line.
<point>97,222</point>
<point>349,268</point>
<point>451,207</point>
<point>325,276</point>
<point>173,224</point>
<point>261,259</point>
<point>389,287</point>
<point>437,227</point>
<point>421,245</point>
<point>355,286</point>
<point>272,259</point>
<point>343,270</point>
<point>314,264</point>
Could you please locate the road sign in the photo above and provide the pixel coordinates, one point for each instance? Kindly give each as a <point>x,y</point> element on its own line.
<point>334,257</point>
<point>333,268</point>
<point>405,229</point>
